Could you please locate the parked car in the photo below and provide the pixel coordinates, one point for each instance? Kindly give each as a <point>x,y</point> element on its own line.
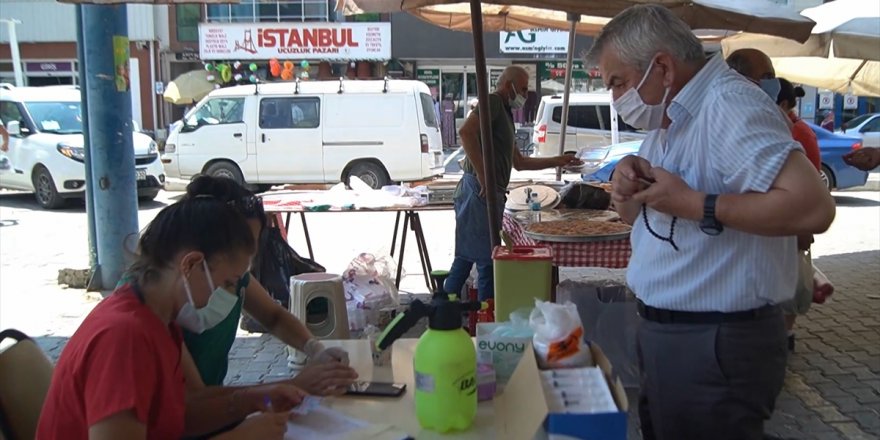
<point>46,146</point>
<point>866,126</point>
<point>589,124</point>
<point>832,146</point>
<point>310,132</point>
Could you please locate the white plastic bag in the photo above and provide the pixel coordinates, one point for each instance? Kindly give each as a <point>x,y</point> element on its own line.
<point>369,288</point>
<point>559,336</point>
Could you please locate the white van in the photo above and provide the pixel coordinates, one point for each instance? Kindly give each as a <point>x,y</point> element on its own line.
<point>310,132</point>
<point>589,124</point>
<point>46,146</point>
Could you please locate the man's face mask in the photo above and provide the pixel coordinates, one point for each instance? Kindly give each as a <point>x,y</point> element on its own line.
<point>636,112</point>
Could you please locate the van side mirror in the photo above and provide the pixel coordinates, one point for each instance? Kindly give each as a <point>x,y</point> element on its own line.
<point>13,128</point>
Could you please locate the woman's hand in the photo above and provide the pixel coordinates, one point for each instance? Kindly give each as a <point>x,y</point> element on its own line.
<point>327,379</point>
<point>275,397</point>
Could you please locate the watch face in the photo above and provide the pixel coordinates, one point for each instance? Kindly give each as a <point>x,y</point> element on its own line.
<point>711,227</point>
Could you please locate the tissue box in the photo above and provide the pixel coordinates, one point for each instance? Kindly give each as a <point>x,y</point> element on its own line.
<point>519,414</point>
<point>503,353</point>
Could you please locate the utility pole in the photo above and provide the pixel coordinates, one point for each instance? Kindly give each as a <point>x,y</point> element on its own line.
<point>113,189</point>
<point>13,48</point>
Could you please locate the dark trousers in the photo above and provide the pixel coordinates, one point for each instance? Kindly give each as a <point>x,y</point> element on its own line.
<point>710,381</point>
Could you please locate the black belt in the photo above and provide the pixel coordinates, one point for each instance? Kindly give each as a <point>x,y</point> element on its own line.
<point>664,316</point>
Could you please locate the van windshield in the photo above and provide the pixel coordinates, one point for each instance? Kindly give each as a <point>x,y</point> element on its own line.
<point>428,110</point>
<point>56,117</point>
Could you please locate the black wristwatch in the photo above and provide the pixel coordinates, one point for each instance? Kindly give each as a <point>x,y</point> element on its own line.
<point>709,224</point>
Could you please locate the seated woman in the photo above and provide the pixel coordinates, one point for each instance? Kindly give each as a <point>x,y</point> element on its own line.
<point>327,374</point>
<point>120,376</point>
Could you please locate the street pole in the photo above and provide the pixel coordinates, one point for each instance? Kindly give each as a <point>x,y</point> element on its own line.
<point>569,60</point>
<point>90,200</point>
<point>13,49</point>
<point>112,184</point>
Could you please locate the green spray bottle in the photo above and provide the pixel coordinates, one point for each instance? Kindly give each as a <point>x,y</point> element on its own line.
<point>445,360</point>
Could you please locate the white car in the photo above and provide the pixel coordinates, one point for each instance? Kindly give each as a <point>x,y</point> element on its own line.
<point>46,146</point>
<point>865,126</point>
<point>589,124</point>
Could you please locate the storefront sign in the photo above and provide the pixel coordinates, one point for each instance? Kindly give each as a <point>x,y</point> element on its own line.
<point>850,102</point>
<point>48,67</point>
<point>534,41</point>
<point>319,41</point>
<point>494,74</point>
<point>431,77</point>
<point>826,100</point>
<point>556,69</point>
<point>186,56</point>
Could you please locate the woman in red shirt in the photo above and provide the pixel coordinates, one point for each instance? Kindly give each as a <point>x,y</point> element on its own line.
<point>801,132</point>
<point>120,375</point>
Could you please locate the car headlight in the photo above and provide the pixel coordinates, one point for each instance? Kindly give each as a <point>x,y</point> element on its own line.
<point>154,148</point>
<point>72,152</point>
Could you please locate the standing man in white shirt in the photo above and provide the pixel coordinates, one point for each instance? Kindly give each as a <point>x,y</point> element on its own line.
<point>716,195</point>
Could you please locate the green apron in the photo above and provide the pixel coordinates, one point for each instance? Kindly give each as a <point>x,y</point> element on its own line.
<point>210,349</point>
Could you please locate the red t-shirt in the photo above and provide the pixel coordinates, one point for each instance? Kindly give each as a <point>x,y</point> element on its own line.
<point>122,357</point>
<point>802,133</point>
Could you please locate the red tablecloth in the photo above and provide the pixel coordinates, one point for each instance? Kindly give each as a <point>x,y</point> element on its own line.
<point>612,254</point>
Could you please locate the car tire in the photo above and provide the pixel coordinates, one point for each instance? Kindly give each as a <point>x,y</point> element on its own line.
<point>827,178</point>
<point>146,198</point>
<point>371,173</point>
<point>45,191</point>
<point>226,170</point>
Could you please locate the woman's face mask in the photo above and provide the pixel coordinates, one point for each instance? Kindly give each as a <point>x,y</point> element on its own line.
<point>220,304</point>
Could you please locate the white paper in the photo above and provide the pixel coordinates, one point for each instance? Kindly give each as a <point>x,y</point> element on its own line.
<point>322,423</point>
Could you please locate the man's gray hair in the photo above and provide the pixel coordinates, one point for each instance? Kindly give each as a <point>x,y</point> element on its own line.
<point>639,32</point>
<point>511,73</point>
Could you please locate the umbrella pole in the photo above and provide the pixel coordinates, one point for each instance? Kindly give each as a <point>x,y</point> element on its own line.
<point>569,59</point>
<point>485,125</point>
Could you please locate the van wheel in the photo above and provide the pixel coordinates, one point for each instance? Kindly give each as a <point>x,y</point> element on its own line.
<point>225,170</point>
<point>44,189</point>
<point>371,173</point>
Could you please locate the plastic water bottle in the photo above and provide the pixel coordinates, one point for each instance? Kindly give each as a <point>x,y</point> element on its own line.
<point>535,207</point>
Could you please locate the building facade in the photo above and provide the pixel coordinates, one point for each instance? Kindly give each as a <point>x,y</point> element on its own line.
<point>47,47</point>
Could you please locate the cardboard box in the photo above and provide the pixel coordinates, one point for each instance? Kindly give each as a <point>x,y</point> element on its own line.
<point>519,414</point>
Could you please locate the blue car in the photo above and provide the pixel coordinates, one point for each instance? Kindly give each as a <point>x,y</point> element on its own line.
<point>835,173</point>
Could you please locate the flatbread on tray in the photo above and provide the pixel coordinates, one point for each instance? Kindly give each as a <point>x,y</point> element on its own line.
<point>578,228</point>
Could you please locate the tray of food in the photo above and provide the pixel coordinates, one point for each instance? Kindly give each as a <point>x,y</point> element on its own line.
<point>578,231</point>
<point>599,215</point>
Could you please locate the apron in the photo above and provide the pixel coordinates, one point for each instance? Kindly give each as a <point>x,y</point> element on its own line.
<point>472,241</point>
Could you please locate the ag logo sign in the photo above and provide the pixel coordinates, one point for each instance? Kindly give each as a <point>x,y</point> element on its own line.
<point>534,41</point>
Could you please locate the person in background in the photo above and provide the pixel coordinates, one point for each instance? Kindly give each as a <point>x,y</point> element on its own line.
<point>801,132</point>
<point>472,106</point>
<point>716,196</point>
<point>865,158</point>
<point>4,146</point>
<point>206,352</point>
<point>120,376</point>
<point>756,66</point>
<point>828,122</point>
<point>472,234</point>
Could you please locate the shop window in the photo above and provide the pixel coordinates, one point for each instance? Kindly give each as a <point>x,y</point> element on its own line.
<point>188,17</point>
<point>287,113</point>
<point>252,11</point>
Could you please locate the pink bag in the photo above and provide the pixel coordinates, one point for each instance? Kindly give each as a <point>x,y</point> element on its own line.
<point>822,288</point>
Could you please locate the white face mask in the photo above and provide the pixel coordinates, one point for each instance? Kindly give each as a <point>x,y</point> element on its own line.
<point>517,102</point>
<point>220,304</point>
<point>635,112</point>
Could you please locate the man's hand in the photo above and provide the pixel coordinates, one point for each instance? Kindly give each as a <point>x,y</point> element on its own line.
<point>630,176</point>
<point>268,425</point>
<point>671,195</point>
<point>325,379</point>
<point>865,159</point>
<point>567,160</point>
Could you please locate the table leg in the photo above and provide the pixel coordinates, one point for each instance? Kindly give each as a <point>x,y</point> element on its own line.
<point>394,235</point>
<point>302,216</point>
<point>423,250</point>
<point>402,253</point>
